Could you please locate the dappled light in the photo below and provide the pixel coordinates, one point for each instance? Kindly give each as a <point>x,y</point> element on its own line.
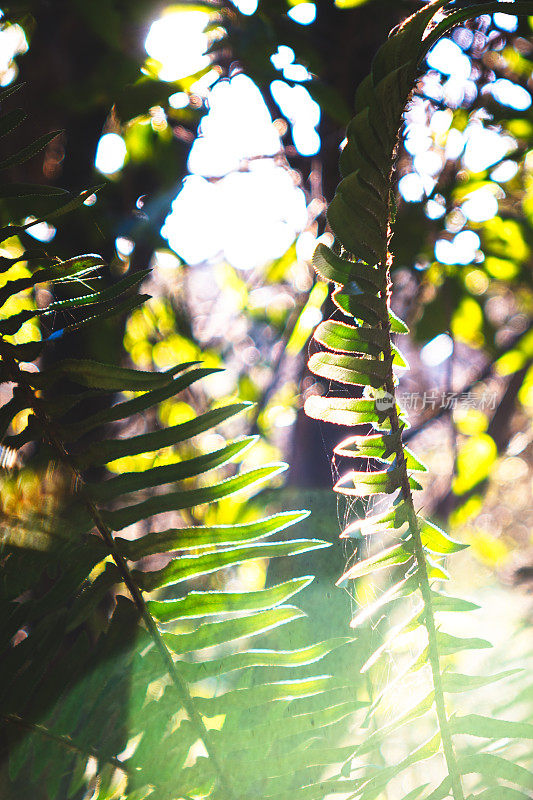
<point>253,216</point>
<point>255,208</point>
<point>303,113</point>
<point>266,400</point>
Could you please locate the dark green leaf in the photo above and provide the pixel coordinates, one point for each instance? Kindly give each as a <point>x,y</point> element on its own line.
<point>332,267</point>
<point>436,541</point>
<point>492,767</point>
<point>169,473</point>
<point>174,501</point>
<point>141,403</point>
<point>11,120</point>
<point>347,339</point>
<point>193,566</point>
<point>290,659</point>
<point>449,644</point>
<point>350,370</point>
<point>98,376</point>
<point>103,452</point>
<point>363,484</point>
<point>29,151</point>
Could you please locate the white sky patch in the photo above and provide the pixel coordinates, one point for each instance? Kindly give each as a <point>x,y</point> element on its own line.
<point>432,86</point>
<point>463,36</point>
<point>485,147</point>
<point>283,60</point>
<point>43,232</point>
<point>248,217</point>
<point>247,7</point>
<point>455,143</point>
<point>417,139</point>
<point>504,171</point>
<point>510,94</point>
<point>237,128</point>
<point>303,113</point>
<point>506,22</point>
<point>250,210</point>
<point>461,250</point>
<point>124,246</point>
<point>428,163</point>
<point>441,121</point>
<point>448,58</point>
<point>306,139</point>
<point>296,72</point>
<point>457,90</point>
<point>12,43</point>
<point>179,42</point>
<point>411,187</point>
<point>437,350</point>
<point>166,261</point>
<point>480,205</point>
<point>434,209</point>
<point>179,100</point>
<point>110,153</point>
<point>283,57</point>
<point>303,13</point>
<point>305,246</point>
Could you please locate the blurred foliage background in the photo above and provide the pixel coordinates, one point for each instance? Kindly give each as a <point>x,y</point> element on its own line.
<point>209,133</point>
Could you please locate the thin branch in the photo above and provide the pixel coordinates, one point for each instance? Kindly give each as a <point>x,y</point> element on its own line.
<point>483,375</point>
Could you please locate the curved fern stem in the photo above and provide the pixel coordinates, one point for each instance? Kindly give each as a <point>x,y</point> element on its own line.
<point>359,352</point>
<point>17,376</point>
<point>423,580</point>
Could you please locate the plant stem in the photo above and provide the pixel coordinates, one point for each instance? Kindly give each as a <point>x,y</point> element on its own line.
<point>423,580</point>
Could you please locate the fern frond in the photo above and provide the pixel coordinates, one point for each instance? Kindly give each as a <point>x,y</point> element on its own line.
<point>158,696</point>
<point>358,358</point>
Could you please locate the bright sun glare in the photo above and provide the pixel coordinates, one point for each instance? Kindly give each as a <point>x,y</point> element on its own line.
<point>178,42</point>
<point>239,202</point>
<point>250,215</point>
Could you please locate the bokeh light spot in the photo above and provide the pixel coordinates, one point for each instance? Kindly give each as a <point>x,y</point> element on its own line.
<point>110,153</point>
<point>247,7</point>
<point>42,231</point>
<point>411,187</point>
<point>437,350</point>
<point>303,13</point>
